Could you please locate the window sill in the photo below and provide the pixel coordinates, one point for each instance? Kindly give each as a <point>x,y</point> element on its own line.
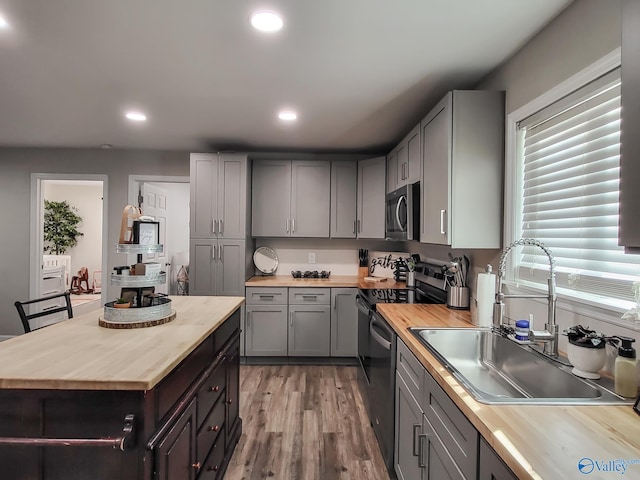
<point>602,309</point>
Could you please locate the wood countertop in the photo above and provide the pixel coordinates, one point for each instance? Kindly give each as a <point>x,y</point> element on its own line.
<point>536,442</point>
<point>334,281</point>
<point>78,354</point>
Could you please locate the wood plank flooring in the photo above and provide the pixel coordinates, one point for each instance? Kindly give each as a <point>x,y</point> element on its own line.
<point>304,423</point>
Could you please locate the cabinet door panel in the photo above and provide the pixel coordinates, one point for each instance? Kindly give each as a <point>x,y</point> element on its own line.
<point>371,198</point>
<point>271,198</point>
<point>266,333</point>
<point>310,199</point>
<point>230,267</point>
<point>344,322</point>
<point>392,171</point>
<point>436,142</point>
<point>491,465</point>
<point>402,164</point>
<point>203,174</point>
<point>344,186</point>
<point>439,464</point>
<point>309,330</point>
<point>202,269</point>
<point>414,157</point>
<point>176,453</point>
<point>408,424</point>
<point>232,196</point>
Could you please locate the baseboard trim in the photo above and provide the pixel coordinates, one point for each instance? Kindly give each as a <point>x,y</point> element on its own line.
<point>338,361</point>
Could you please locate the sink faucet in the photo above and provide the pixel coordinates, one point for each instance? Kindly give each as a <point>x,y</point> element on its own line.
<point>550,334</point>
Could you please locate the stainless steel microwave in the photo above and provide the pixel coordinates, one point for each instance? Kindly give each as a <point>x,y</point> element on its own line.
<point>402,213</point>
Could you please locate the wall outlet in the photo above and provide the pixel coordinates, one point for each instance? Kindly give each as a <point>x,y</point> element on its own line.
<point>312,257</point>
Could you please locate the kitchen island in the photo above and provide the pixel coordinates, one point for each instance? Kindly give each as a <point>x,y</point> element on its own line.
<point>535,442</point>
<point>158,402</point>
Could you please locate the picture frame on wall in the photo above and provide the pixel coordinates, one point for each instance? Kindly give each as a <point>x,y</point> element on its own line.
<point>146,233</point>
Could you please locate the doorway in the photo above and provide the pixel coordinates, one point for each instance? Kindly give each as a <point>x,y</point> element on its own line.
<point>86,197</point>
<point>166,198</point>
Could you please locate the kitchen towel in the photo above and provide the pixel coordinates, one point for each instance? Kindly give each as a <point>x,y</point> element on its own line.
<point>485,297</point>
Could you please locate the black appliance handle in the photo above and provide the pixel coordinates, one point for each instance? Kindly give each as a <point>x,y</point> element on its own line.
<point>376,336</point>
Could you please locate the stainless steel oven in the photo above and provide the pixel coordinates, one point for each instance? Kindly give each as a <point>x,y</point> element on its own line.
<point>402,213</point>
<point>377,349</point>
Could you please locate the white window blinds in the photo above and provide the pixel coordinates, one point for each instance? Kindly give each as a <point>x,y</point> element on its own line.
<point>570,182</point>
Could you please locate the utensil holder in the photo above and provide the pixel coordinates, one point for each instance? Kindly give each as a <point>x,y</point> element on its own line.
<point>458,298</point>
<point>363,272</point>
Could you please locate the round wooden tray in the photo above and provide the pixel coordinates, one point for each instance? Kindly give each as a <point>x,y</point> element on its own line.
<point>143,324</point>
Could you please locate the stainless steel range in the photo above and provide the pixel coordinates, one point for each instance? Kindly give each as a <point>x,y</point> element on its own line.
<point>377,348</point>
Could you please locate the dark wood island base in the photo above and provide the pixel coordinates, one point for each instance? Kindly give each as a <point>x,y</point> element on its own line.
<point>184,428</point>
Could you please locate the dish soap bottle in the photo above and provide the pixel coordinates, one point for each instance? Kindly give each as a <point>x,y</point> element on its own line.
<point>626,375</point>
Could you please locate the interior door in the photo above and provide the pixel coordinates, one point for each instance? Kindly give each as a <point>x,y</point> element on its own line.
<point>155,200</point>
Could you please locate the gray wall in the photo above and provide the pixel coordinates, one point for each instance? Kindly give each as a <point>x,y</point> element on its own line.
<point>16,167</point>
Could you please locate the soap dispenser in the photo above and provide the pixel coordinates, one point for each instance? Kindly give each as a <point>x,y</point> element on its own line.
<point>626,375</point>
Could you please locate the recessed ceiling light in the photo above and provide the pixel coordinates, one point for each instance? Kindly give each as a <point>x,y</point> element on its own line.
<point>3,22</point>
<point>287,115</point>
<point>136,116</point>
<point>266,21</point>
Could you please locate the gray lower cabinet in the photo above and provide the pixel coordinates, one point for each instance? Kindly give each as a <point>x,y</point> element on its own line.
<point>266,330</point>
<point>309,327</point>
<point>216,267</point>
<point>434,440</point>
<point>491,465</point>
<point>344,322</point>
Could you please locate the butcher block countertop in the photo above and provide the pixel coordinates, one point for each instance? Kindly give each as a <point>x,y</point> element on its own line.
<point>334,281</point>
<point>78,354</point>
<point>536,442</point>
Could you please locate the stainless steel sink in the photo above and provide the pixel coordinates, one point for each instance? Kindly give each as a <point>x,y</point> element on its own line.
<point>495,369</point>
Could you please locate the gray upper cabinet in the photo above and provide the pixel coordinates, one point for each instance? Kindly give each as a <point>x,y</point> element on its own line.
<point>218,207</point>
<point>630,126</point>
<point>271,199</point>
<point>310,199</point>
<point>344,322</point>
<point>463,156</point>
<point>371,198</point>
<point>291,199</point>
<point>344,187</point>
<point>216,267</point>
<point>392,170</point>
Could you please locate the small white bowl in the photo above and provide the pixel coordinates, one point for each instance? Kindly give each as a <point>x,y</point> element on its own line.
<point>587,362</point>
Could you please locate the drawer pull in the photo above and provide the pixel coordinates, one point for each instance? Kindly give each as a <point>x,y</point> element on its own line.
<point>214,428</point>
<point>416,427</point>
<point>421,444</point>
<point>212,468</point>
<point>215,389</point>
<point>266,296</point>
<point>310,296</point>
<point>196,466</point>
<point>229,401</point>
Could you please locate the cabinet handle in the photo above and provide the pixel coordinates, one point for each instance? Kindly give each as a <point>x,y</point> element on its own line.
<point>359,229</point>
<point>442,213</point>
<point>214,428</point>
<point>354,226</point>
<point>310,296</point>
<point>220,226</point>
<point>215,389</point>
<point>403,177</point>
<point>421,441</point>
<point>230,401</point>
<point>287,225</point>
<point>220,253</point>
<point>213,257</point>
<point>415,451</point>
<point>214,225</point>
<point>196,466</point>
<point>212,468</point>
<point>265,296</point>
<point>293,225</point>
<point>291,319</point>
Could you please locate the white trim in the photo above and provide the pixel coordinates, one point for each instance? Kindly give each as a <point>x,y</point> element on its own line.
<point>607,63</point>
<point>36,225</point>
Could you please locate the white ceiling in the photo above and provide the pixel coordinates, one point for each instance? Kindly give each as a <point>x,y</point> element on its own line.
<point>358,72</point>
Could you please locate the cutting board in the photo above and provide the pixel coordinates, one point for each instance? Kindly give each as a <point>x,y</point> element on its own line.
<point>375,279</point>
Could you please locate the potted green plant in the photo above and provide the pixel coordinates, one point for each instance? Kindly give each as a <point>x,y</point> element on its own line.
<point>60,227</point>
<point>121,303</point>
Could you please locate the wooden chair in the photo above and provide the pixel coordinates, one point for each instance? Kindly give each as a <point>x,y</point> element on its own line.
<point>77,280</point>
<point>47,311</point>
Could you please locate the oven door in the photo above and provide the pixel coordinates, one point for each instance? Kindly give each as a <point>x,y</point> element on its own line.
<point>382,343</point>
<point>364,316</point>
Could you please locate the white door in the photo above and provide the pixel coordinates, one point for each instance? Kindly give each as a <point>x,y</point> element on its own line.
<point>155,204</point>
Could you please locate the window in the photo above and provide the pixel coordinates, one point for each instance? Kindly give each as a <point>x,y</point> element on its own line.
<point>569,170</point>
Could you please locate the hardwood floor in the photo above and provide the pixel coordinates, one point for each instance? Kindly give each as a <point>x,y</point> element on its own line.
<point>304,423</point>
